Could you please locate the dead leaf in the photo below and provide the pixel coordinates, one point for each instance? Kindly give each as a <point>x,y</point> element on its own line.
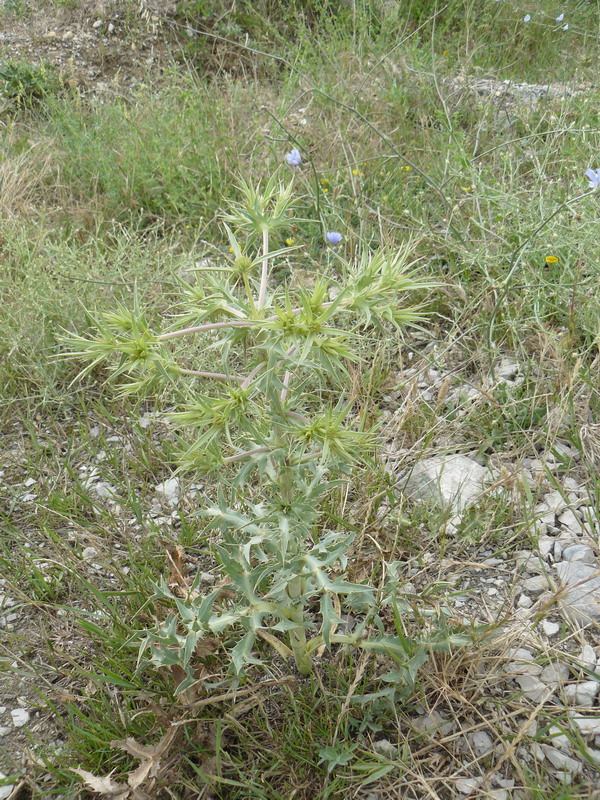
<point>179,582</point>
<point>105,786</point>
<point>149,756</point>
<point>206,647</point>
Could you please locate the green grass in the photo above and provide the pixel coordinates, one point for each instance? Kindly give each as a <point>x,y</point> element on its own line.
<point>99,198</point>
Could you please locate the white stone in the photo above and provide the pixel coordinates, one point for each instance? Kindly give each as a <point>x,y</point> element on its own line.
<point>535,585</point>
<point>553,501</point>
<point>588,726</point>
<point>550,628</point>
<point>170,490</point>
<point>481,742</point>
<point>468,785</point>
<point>523,666</point>
<point>560,760</point>
<point>580,598</point>
<point>553,674</point>
<point>4,730</point>
<point>533,688</point>
<point>97,23</point>
<point>88,553</point>
<point>529,561</point>
<point>582,694</point>
<point>20,717</point>
<point>386,748</point>
<point>595,754</point>
<point>546,546</point>
<point>453,480</point>
<point>559,739</point>
<point>570,521</point>
<point>579,552</point>
<point>587,658</point>
<point>524,601</point>
<point>498,794</point>
<point>5,791</point>
<point>507,370</point>
<point>433,722</point>
<point>520,653</point>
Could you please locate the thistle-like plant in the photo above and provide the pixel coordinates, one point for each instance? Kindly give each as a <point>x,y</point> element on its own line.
<point>268,433</point>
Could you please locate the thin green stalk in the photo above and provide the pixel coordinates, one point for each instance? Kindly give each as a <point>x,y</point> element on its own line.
<point>262,294</point>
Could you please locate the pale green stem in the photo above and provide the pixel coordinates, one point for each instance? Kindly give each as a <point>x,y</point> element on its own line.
<point>216,375</point>
<point>209,326</point>
<point>286,383</point>
<point>246,454</point>
<point>248,380</point>
<point>262,293</point>
<point>298,640</point>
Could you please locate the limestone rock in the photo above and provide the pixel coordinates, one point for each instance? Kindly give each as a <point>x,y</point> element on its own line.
<point>455,481</point>
<point>170,490</point>
<point>582,694</point>
<point>579,552</point>
<point>580,598</point>
<point>588,726</point>
<point>561,760</point>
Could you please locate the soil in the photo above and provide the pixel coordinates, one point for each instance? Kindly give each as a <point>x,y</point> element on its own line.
<point>96,45</point>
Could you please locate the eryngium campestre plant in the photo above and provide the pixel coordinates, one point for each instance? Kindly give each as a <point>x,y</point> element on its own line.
<point>266,431</point>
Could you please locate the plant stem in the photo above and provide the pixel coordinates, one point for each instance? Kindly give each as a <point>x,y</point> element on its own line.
<point>209,326</point>
<point>246,454</point>
<point>298,639</point>
<point>216,375</point>
<point>286,383</point>
<point>262,294</point>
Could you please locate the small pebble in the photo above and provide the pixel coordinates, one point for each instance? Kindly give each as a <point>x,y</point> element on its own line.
<point>20,717</point>
<point>554,674</point>
<point>587,657</point>
<point>550,628</point>
<point>468,785</point>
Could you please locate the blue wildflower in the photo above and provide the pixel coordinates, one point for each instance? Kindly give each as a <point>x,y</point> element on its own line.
<point>527,17</point>
<point>593,175</point>
<point>566,27</point>
<point>333,237</point>
<point>560,17</point>
<point>294,158</point>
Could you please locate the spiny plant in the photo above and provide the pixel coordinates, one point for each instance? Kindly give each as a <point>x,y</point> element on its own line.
<point>274,444</point>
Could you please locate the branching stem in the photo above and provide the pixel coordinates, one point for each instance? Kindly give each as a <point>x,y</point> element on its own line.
<point>262,293</point>
<point>220,376</point>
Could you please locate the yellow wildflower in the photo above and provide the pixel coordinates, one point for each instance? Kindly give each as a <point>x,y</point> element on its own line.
<point>551,259</point>
<point>290,241</point>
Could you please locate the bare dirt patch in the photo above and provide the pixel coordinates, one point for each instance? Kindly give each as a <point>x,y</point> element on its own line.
<point>96,46</point>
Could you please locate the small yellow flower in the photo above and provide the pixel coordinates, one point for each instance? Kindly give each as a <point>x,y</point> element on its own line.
<point>325,190</point>
<point>551,260</point>
<point>467,188</point>
<point>355,172</point>
<point>187,227</point>
<point>407,167</point>
<point>445,52</point>
<point>290,241</point>
<point>231,250</point>
<point>325,181</point>
<point>384,198</point>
